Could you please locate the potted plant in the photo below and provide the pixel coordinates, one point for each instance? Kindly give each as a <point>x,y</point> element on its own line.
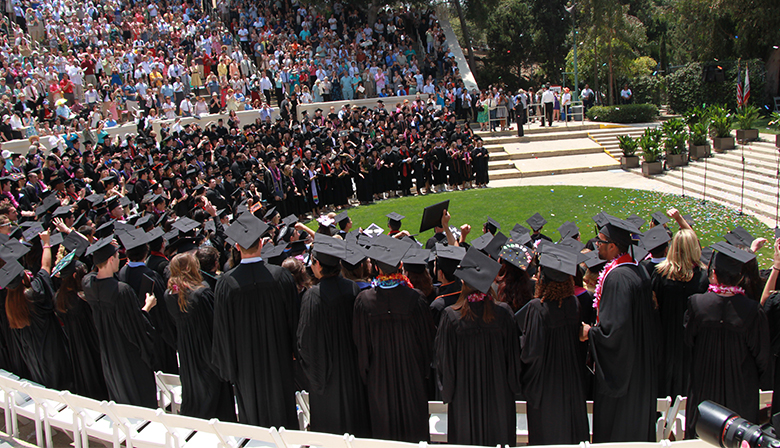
<point>650,142</point>
<point>774,124</point>
<point>746,118</point>
<point>674,142</point>
<point>629,146</point>
<point>697,141</point>
<point>720,124</point>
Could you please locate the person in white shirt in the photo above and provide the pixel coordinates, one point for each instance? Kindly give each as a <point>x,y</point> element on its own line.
<point>548,101</point>
<point>565,103</point>
<point>201,108</point>
<point>626,96</point>
<point>186,107</point>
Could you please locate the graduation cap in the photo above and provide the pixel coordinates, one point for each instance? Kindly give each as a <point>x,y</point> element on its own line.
<point>48,204</point>
<point>536,222</point>
<point>516,254</point>
<point>105,230</point>
<point>655,237</point>
<point>271,252</point>
<point>75,242</point>
<point>493,248</point>
<point>593,262</point>
<point>373,230</point>
<point>33,231</point>
<point>387,251</point>
<point>185,224</point>
<point>64,210</point>
<point>168,236</point>
<point>600,219</point>
<point>269,214</point>
<point>56,239</point>
<point>729,258</point>
<point>688,219</point>
<point>777,232</point>
<point>11,275</point>
<point>355,255</point>
<point>246,230</point>
<point>162,219</point>
<point>520,234</point>
<point>568,230</point>
<point>482,241</point>
<point>209,226</point>
<point>416,260</point>
<point>184,244</point>
<point>636,220</point>
<point>478,270</point>
<point>13,249</point>
<point>557,263</point>
<point>432,215</point>
<point>109,179</point>
<point>394,218</point>
<point>572,244</point>
<point>95,198</point>
<point>133,238</point>
<point>328,250</point>
<point>639,253</point>
<point>448,257</point>
<point>739,237</point>
<point>706,255</point>
<point>112,203</point>
<point>124,201</point>
<point>144,220</point>
<point>290,220</point>
<point>80,221</point>
<point>341,219</point>
<point>102,250</point>
<point>619,230</point>
<point>491,225</point>
<point>659,218</point>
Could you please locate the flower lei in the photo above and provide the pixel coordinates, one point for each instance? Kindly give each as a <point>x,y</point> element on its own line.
<point>391,281</point>
<point>621,259</point>
<point>723,289</point>
<point>476,297</point>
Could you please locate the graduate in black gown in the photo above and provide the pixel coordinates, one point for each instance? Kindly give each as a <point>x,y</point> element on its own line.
<point>394,334</point>
<point>623,343</point>
<point>729,338</point>
<point>552,365</point>
<point>126,335</point>
<point>191,303</point>
<point>337,394</point>
<point>255,320</point>
<point>674,280</point>
<point>477,359</point>
<point>83,342</point>
<point>447,259</point>
<point>29,307</point>
<point>139,276</point>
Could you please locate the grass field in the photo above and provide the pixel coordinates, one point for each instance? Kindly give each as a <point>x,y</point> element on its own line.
<point>557,204</point>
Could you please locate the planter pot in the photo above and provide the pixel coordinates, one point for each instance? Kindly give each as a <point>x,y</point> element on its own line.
<point>629,162</point>
<point>722,144</point>
<point>673,160</point>
<point>747,135</point>
<point>699,152</point>
<point>650,168</point>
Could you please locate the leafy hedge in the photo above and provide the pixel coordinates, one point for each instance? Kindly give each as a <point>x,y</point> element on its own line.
<point>647,89</point>
<point>687,88</point>
<point>627,113</point>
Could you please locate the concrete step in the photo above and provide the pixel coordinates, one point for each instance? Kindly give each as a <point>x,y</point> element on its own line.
<point>536,129</point>
<point>505,174</point>
<point>566,164</point>
<point>500,164</point>
<point>759,191</point>
<point>554,134</point>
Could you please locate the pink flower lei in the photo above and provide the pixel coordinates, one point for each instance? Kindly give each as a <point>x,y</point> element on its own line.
<point>723,289</point>
<point>476,297</point>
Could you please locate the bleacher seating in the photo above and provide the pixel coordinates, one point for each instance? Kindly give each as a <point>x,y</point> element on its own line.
<point>115,424</point>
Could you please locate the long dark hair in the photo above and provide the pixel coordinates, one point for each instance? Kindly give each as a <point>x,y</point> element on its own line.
<point>464,306</point>
<point>515,286</point>
<point>17,304</point>
<point>70,287</point>
<point>421,281</point>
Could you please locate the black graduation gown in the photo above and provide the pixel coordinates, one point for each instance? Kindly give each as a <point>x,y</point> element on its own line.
<point>552,373</point>
<point>42,344</point>
<point>672,297</point>
<point>204,394</point>
<point>337,395</point>
<point>394,334</point>
<point>772,309</point>
<point>165,328</point>
<point>126,341</point>
<point>448,295</point>
<point>255,320</point>
<point>84,346</point>
<point>623,346</point>
<point>729,340</point>
<point>12,356</point>
<point>478,370</point>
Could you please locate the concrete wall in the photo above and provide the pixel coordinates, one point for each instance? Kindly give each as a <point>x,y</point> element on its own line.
<point>390,103</point>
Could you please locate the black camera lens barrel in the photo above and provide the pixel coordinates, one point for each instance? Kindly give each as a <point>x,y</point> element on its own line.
<point>720,426</point>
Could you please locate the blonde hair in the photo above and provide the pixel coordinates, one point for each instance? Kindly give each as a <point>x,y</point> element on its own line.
<point>683,256</point>
<point>185,277</point>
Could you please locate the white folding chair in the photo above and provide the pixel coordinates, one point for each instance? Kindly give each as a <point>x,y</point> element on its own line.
<point>764,399</point>
<point>355,442</point>
<point>21,405</point>
<point>54,411</point>
<point>304,413</point>
<point>662,405</point>
<point>521,428</point>
<point>293,438</point>
<point>675,420</point>
<point>142,426</point>
<point>169,391</point>
<point>202,432</point>
<point>259,437</point>
<point>8,384</point>
<point>437,421</point>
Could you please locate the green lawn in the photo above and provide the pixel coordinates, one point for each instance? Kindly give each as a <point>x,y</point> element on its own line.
<point>557,204</point>
<point>761,125</point>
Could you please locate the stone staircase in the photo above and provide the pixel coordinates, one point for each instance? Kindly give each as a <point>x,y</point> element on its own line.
<point>547,151</point>
<point>609,139</point>
<point>724,179</point>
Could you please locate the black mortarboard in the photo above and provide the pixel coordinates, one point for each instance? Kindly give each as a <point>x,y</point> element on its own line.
<point>387,250</point>
<point>491,225</point>
<point>48,204</point>
<point>80,221</point>
<point>185,224</point>
<point>10,275</point>
<point>494,246</point>
<point>521,229</point>
<point>246,230</point>
<point>655,237</point>
<point>536,222</point>
<point>154,233</point>
<point>706,255</point>
<point>56,239</point>
<point>620,230</point>
<point>184,244</point>
<point>162,219</point>
<point>594,263</point>
<point>739,237</point>
<point>482,241</point>
<point>102,249</point>
<point>341,217</point>
<point>416,260</point>
<point>777,232</point>
<point>143,220</point>
<point>639,253</point>
<point>13,249</point>
<point>105,230</point>
<point>133,238</point>
<point>730,258</point>
<point>557,263</point>
<point>270,213</point>
<point>571,244</point>
<point>568,230</point>
<point>659,218</point>
<point>168,236</point>
<point>95,198</point>
<point>393,216</point>
<point>209,226</point>
<point>124,201</point>
<point>33,231</point>
<point>520,238</point>
<point>432,215</point>
<point>478,270</point>
<point>109,179</point>
<point>636,220</point>
<point>271,252</point>
<point>600,219</point>
<point>65,210</point>
<point>76,242</point>
<point>112,203</point>
<point>68,261</point>
<point>328,250</point>
<point>517,254</point>
<point>290,220</point>
<point>355,255</point>
<point>448,257</point>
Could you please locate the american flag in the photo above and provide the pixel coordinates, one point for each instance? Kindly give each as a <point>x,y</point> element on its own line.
<point>746,94</point>
<point>740,97</point>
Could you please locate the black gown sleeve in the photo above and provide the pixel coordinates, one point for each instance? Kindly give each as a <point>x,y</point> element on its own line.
<point>313,348</point>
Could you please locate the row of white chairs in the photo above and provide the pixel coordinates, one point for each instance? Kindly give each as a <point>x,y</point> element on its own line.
<point>115,424</point>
